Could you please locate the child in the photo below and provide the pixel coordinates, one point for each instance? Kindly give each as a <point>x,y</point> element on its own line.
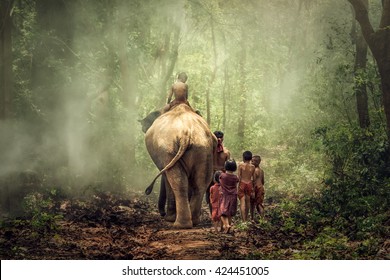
<point>180,91</point>
<point>221,156</point>
<point>214,200</point>
<point>258,201</point>
<point>246,172</point>
<point>228,205</point>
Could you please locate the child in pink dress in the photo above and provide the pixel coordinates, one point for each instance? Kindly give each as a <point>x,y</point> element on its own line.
<point>228,202</point>
<point>215,195</point>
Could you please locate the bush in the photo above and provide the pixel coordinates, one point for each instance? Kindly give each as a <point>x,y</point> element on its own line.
<point>357,185</point>
<point>40,208</point>
<point>329,244</point>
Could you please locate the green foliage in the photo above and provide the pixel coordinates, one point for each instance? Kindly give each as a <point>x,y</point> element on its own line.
<point>329,244</point>
<point>349,217</point>
<point>39,208</point>
<point>265,224</point>
<point>242,226</point>
<point>285,67</point>
<point>302,230</point>
<point>357,185</point>
<point>368,227</point>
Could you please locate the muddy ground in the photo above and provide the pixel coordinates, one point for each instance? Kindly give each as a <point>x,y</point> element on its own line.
<point>105,226</point>
<point>110,227</point>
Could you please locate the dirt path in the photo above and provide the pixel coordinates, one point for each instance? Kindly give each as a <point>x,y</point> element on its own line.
<point>200,242</point>
<point>185,244</point>
<point>110,228</point>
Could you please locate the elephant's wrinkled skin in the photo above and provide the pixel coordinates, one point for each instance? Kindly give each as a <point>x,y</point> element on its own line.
<point>182,146</point>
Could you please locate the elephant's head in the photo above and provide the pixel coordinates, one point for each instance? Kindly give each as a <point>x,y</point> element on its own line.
<point>147,122</point>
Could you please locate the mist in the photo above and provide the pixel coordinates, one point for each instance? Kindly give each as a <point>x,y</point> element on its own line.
<point>86,71</point>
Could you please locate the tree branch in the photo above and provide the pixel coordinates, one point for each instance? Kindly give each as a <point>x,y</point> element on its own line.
<point>361,15</point>
<point>385,19</point>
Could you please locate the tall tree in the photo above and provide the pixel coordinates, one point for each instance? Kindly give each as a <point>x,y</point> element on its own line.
<point>213,74</point>
<point>6,83</point>
<point>379,44</point>
<point>225,90</point>
<point>128,67</point>
<point>169,58</point>
<point>52,55</point>
<point>242,101</point>
<point>360,68</point>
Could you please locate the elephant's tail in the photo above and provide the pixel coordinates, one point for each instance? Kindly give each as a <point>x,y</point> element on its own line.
<point>184,143</point>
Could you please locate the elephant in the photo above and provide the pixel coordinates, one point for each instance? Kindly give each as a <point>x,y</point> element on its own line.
<point>146,123</point>
<point>182,147</point>
<point>162,199</point>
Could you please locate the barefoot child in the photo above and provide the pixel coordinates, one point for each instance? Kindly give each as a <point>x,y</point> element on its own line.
<point>258,201</point>
<point>228,206</point>
<point>246,172</point>
<point>222,155</point>
<point>215,191</point>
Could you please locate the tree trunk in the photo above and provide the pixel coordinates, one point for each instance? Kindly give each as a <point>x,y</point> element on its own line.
<point>360,69</point>
<point>54,42</point>
<point>224,97</point>
<point>379,44</point>
<point>243,93</point>
<point>128,68</point>
<point>384,71</point>
<point>129,89</point>
<point>213,74</point>
<point>169,65</point>
<point>6,77</point>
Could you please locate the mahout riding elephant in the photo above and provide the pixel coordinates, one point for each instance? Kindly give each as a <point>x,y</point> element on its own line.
<point>182,146</point>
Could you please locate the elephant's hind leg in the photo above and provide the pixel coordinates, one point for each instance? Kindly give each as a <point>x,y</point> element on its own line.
<point>199,188</point>
<point>177,178</point>
<point>171,205</point>
<point>163,196</point>
<point>199,183</point>
<point>196,205</point>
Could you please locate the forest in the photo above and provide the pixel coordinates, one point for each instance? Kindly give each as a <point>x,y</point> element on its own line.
<point>303,83</point>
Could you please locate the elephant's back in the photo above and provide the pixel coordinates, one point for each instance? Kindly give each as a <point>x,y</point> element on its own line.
<point>181,121</point>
